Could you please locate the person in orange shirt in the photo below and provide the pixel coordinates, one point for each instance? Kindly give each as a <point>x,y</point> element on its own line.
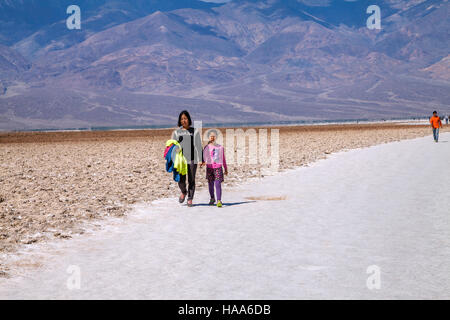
<point>436,123</point>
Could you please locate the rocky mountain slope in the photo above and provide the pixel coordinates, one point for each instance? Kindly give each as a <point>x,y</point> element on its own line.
<point>141,62</point>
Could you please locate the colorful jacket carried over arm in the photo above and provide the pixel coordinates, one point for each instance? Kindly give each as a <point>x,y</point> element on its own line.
<point>175,160</point>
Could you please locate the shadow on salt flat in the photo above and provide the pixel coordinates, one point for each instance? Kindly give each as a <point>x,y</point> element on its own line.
<point>225,204</point>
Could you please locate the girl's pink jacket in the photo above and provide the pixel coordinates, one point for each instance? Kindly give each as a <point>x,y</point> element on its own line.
<point>214,156</point>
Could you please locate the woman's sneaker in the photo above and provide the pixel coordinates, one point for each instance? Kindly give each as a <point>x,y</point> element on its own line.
<point>189,203</point>
<point>182,197</point>
<point>219,204</point>
<point>212,201</point>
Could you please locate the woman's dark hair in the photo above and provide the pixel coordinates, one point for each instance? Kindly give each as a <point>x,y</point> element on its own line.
<point>187,116</point>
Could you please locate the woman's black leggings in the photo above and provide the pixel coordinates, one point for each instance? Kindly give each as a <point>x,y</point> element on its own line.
<point>191,171</point>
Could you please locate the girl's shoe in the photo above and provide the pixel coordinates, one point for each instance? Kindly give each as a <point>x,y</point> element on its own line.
<point>211,201</point>
<point>182,197</point>
<point>189,203</point>
<point>219,204</point>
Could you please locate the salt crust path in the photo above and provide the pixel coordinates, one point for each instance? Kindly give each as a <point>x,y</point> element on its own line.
<point>387,205</point>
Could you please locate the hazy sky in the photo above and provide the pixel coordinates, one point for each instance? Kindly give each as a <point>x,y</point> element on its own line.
<point>308,2</point>
<point>216,1</point>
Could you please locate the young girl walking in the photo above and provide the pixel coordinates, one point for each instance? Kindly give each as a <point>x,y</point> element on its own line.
<point>214,156</point>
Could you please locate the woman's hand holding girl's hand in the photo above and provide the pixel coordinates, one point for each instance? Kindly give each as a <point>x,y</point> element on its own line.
<point>226,172</point>
<point>202,165</point>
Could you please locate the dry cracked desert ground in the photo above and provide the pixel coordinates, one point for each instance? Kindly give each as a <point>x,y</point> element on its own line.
<point>56,184</point>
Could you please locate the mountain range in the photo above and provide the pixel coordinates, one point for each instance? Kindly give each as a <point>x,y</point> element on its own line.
<point>140,62</point>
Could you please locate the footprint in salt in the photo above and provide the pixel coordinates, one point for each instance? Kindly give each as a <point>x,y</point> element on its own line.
<point>312,268</point>
<point>267,198</point>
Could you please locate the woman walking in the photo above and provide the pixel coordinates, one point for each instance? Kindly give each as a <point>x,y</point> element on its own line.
<point>191,144</point>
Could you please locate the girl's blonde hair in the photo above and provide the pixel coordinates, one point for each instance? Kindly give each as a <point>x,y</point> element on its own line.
<point>210,131</point>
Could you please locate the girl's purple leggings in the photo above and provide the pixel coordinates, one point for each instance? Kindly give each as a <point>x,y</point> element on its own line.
<point>218,185</point>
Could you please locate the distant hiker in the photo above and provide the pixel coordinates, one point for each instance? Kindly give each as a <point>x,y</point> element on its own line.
<point>446,119</point>
<point>436,123</point>
<point>191,144</point>
<point>214,156</point>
